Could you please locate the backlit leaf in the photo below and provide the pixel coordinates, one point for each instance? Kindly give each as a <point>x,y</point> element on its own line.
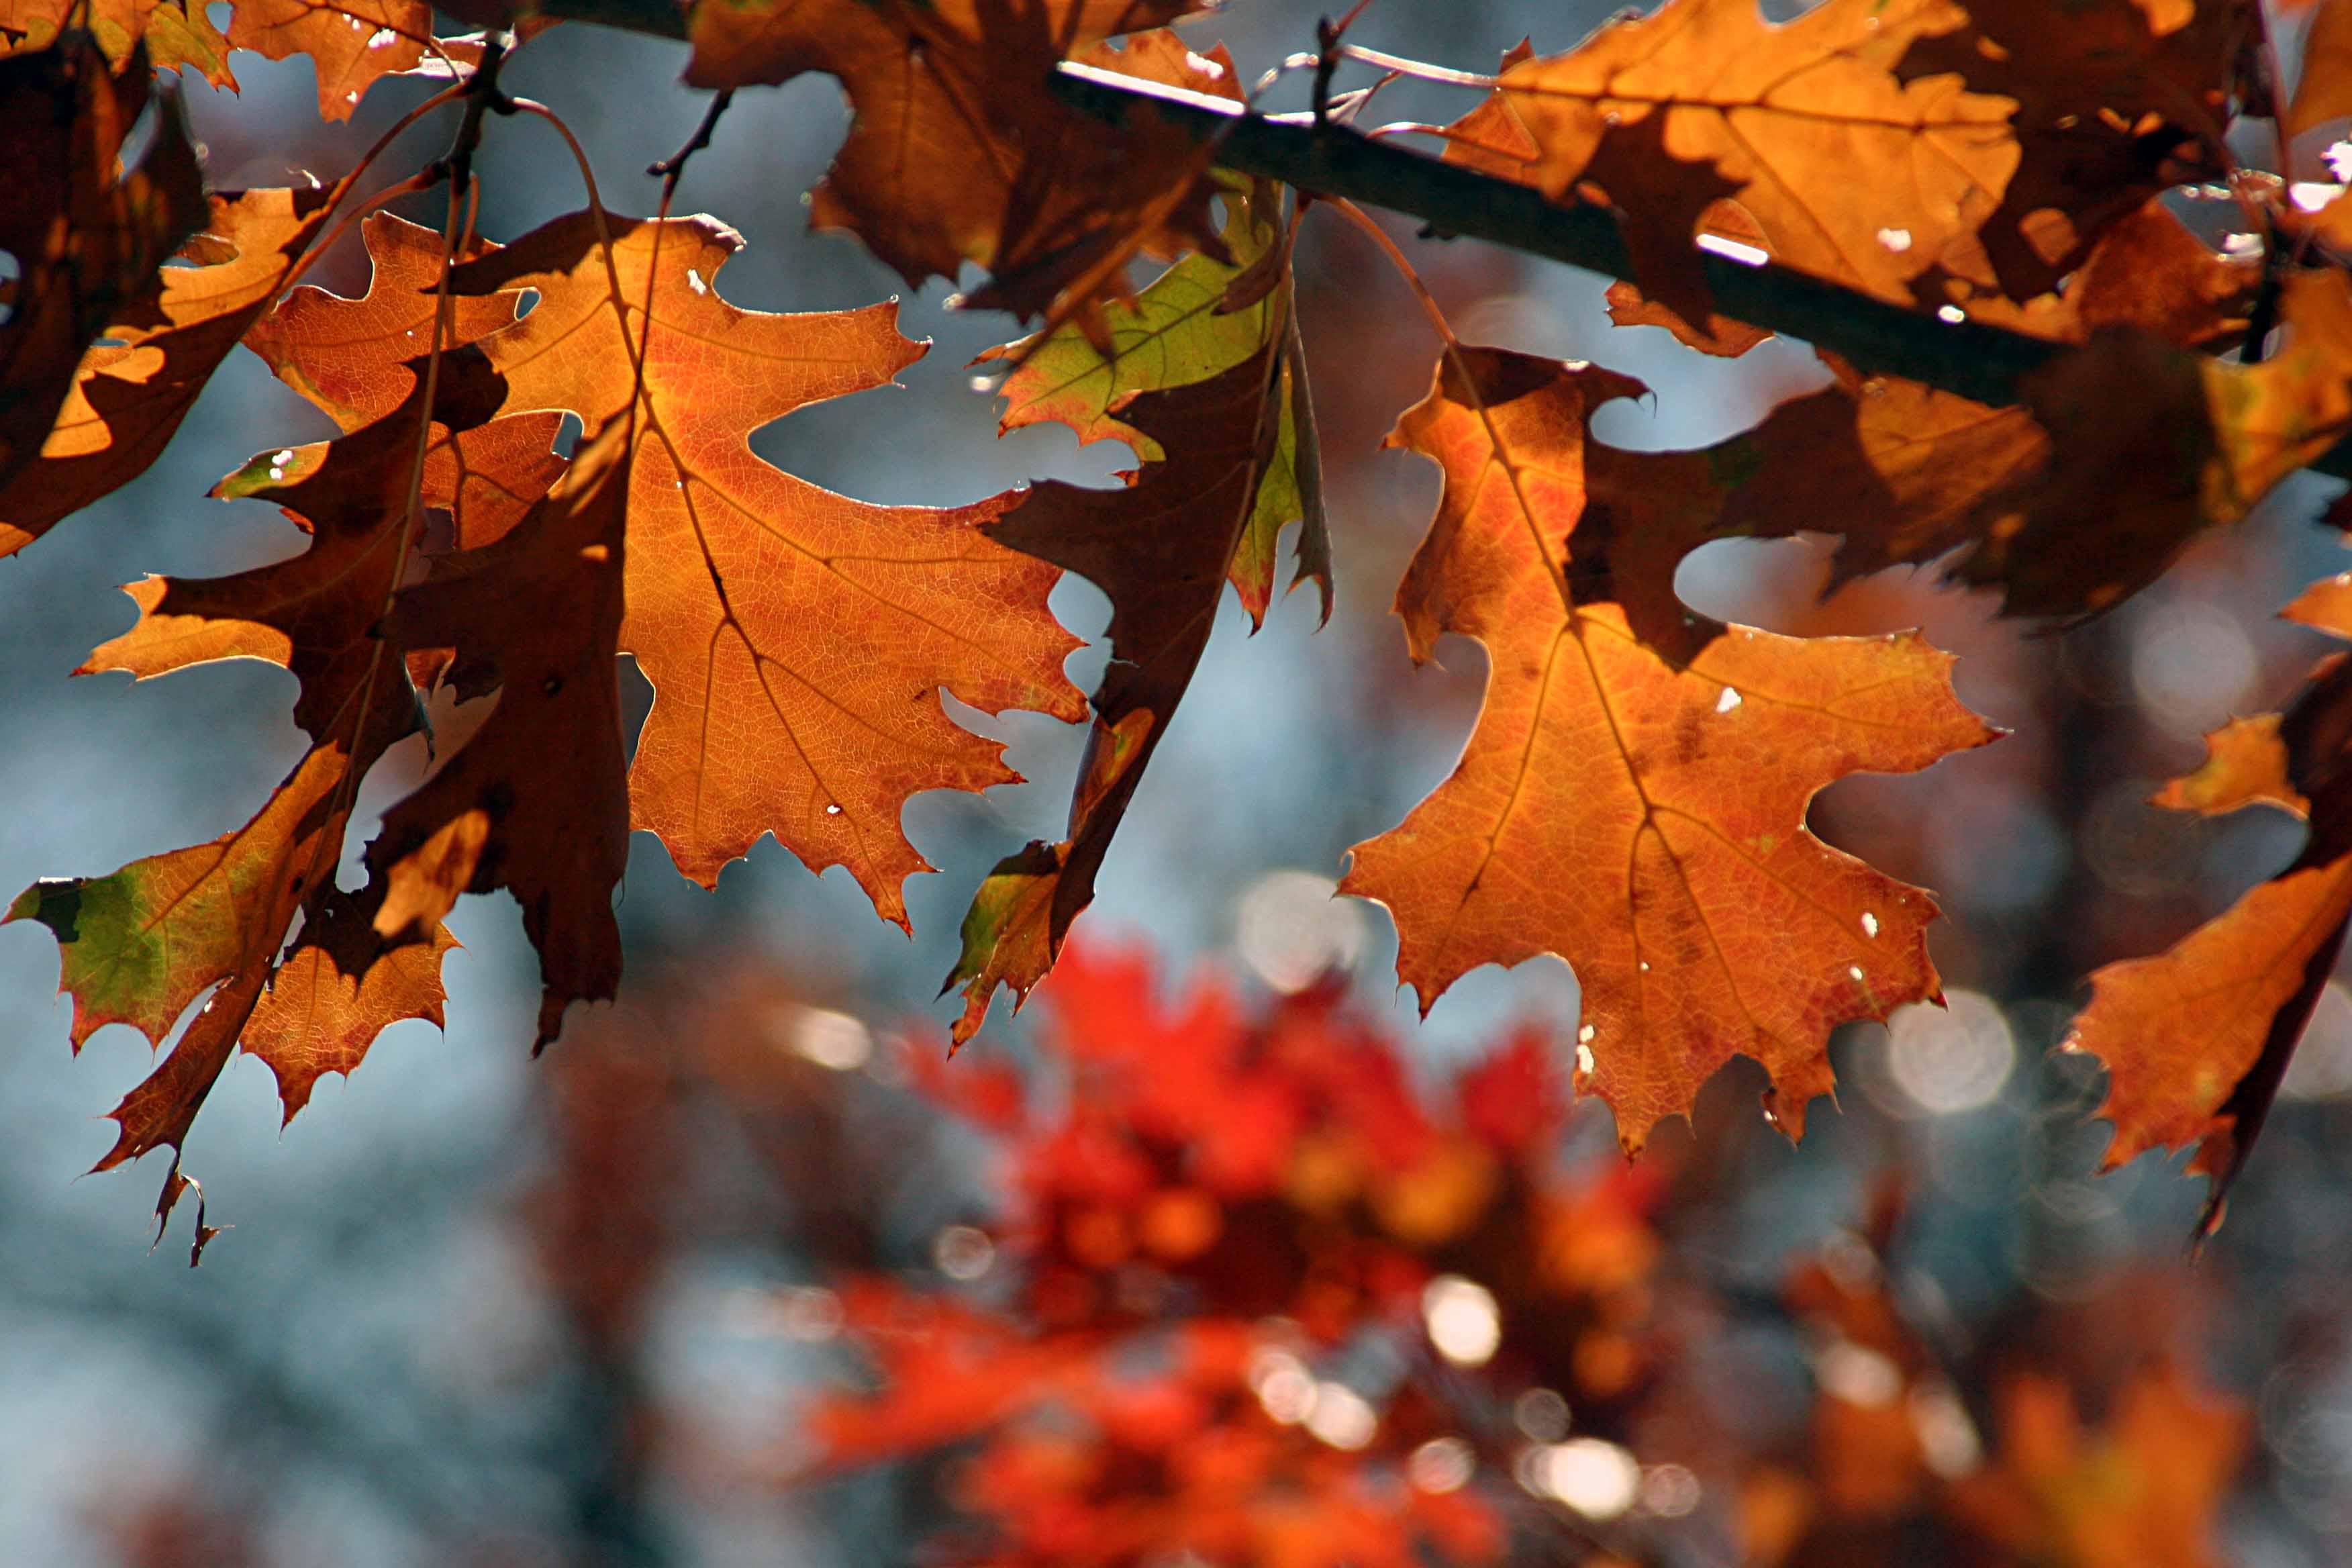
<point>1644,822</point>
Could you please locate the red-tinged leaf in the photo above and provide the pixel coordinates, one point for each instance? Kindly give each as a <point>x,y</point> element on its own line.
<point>87,237</point>
<point>1645,823</point>
<point>797,640</point>
<point>353,43</point>
<point>1162,549</point>
<point>539,611</point>
<point>129,397</point>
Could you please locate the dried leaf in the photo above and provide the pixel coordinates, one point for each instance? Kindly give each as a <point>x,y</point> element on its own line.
<point>958,152</point>
<point>797,640</point>
<point>353,43</point>
<point>88,237</point>
<point>1851,173</point>
<point>1162,550</point>
<point>2245,761</point>
<point>357,359</point>
<point>2116,101</point>
<point>2151,445</point>
<point>1643,822</point>
<point>336,991</point>
<point>2324,91</point>
<point>129,397</point>
<point>177,34</point>
<point>2198,1038</point>
<point>498,816</point>
<point>315,613</point>
<point>1180,330</point>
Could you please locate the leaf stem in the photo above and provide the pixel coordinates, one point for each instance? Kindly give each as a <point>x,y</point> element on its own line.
<point>1403,65</point>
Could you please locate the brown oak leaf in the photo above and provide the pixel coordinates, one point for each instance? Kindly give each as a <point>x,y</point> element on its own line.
<point>88,237</point>
<point>2116,101</point>
<point>1643,822</point>
<point>1162,549</point>
<point>957,151</point>
<point>538,613</point>
<point>129,396</point>
<point>335,992</point>
<point>353,43</point>
<point>357,359</point>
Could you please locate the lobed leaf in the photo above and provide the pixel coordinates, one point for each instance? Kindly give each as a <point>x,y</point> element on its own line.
<point>1644,822</point>
<point>797,641</point>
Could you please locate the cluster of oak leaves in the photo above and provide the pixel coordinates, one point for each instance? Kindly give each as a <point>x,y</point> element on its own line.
<point>1633,795</point>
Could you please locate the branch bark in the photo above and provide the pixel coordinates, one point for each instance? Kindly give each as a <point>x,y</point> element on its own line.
<point>1981,363</point>
<point>1984,364</point>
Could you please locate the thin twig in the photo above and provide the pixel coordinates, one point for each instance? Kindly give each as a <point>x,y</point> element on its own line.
<point>670,169</point>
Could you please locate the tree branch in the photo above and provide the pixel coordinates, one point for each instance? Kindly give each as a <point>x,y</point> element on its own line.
<point>1982,363</point>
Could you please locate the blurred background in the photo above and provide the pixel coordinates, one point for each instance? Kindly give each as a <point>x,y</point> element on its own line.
<point>631,1304</point>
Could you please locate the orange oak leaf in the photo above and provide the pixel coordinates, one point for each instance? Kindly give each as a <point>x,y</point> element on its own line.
<point>177,34</point>
<point>1720,335</point>
<point>335,992</point>
<point>797,640</point>
<point>2068,505</point>
<point>2245,762</point>
<point>87,237</point>
<point>1850,172</point>
<point>356,359</point>
<point>139,945</point>
<point>353,43</point>
<point>2148,270</point>
<point>537,612</point>
<point>129,396</point>
<point>2198,1038</point>
<point>1643,822</point>
<point>1491,138</point>
<point>1901,469</point>
<point>1162,549</point>
<point>958,152</point>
